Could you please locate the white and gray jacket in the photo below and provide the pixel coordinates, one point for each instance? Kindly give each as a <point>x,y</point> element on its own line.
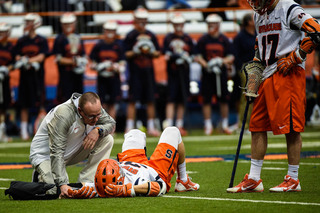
<point>61,135</point>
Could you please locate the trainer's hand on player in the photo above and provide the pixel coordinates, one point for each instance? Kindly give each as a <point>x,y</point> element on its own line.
<point>86,192</point>
<point>64,191</point>
<point>90,140</point>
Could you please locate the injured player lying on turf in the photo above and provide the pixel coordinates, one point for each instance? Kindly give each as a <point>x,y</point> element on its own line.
<point>133,174</point>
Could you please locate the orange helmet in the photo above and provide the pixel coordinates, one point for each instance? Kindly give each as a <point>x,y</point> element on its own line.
<point>108,172</point>
<point>261,6</point>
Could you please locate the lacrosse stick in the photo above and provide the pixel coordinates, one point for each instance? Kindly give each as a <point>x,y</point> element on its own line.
<point>253,72</point>
<point>239,145</point>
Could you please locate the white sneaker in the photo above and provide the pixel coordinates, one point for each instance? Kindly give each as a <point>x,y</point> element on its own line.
<point>288,185</point>
<point>3,136</point>
<point>208,130</point>
<point>186,186</point>
<point>247,185</point>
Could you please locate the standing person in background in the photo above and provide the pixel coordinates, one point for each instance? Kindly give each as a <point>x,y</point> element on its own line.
<point>285,35</point>
<point>215,57</point>
<point>70,57</point>
<point>141,47</point>
<point>30,52</point>
<point>109,61</point>
<point>6,59</point>
<point>244,52</point>
<point>178,48</point>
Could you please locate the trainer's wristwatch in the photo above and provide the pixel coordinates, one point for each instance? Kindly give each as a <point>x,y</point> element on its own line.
<point>100,131</point>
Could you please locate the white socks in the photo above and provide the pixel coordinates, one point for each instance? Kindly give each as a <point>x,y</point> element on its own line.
<point>293,171</point>
<point>129,124</point>
<point>182,172</point>
<point>255,169</point>
<point>150,124</point>
<point>256,165</point>
<point>179,123</point>
<point>225,123</point>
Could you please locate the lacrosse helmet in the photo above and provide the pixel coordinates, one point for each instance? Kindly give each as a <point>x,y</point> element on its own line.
<point>261,6</point>
<point>68,18</point>
<point>4,31</point>
<point>32,21</point>
<point>109,29</point>
<point>108,172</point>
<point>177,18</point>
<point>68,21</point>
<point>213,18</point>
<point>141,13</point>
<point>110,25</point>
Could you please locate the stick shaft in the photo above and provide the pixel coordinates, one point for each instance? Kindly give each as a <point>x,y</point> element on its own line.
<point>239,145</point>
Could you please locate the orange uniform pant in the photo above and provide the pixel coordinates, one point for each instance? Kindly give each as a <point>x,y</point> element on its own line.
<point>280,106</point>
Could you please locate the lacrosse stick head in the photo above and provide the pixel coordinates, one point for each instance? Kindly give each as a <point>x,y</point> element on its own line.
<point>253,75</point>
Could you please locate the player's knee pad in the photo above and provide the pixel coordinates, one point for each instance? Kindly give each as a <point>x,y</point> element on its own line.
<point>134,139</point>
<point>171,135</point>
<point>156,188</point>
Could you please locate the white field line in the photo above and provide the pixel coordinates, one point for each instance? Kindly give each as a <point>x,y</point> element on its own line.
<point>276,162</point>
<point>6,179</point>
<point>273,168</point>
<point>185,139</point>
<point>3,188</point>
<point>14,155</point>
<point>245,200</point>
<point>305,144</point>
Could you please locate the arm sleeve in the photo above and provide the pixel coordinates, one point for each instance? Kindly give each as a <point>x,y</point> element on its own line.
<point>106,123</point>
<point>58,130</point>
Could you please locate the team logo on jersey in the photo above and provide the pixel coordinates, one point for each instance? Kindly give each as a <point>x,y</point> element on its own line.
<point>270,27</point>
<point>300,16</point>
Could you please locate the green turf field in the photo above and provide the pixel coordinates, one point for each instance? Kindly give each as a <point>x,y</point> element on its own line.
<point>213,178</point>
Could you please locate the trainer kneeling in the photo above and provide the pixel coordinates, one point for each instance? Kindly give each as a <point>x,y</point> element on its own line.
<point>79,129</point>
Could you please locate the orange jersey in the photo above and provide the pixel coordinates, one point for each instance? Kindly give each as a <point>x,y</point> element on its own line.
<point>281,104</point>
<point>164,160</point>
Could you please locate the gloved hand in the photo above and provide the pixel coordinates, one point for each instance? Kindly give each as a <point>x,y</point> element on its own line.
<point>4,70</point>
<point>35,66</point>
<point>307,45</point>
<point>87,191</point>
<point>105,65</point>
<point>23,62</point>
<point>286,64</point>
<point>80,63</point>
<point>120,190</point>
<point>214,65</point>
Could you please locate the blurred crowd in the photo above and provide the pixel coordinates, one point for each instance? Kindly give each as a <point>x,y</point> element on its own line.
<point>129,61</point>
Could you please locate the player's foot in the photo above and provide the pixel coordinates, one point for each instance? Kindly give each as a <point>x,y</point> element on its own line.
<point>208,130</point>
<point>153,132</point>
<point>186,186</point>
<point>247,185</point>
<point>227,131</point>
<point>24,136</point>
<point>183,132</point>
<point>288,185</point>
